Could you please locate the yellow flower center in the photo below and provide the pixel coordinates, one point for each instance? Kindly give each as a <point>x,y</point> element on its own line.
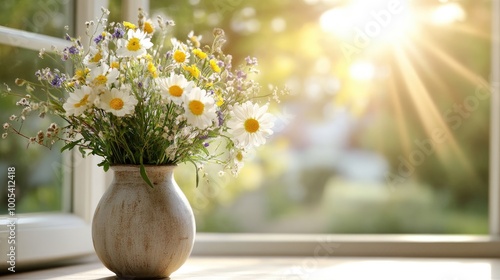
<point>179,56</point>
<point>175,90</point>
<point>115,64</point>
<point>134,44</point>
<point>97,57</point>
<point>251,125</point>
<point>148,27</point>
<point>100,80</point>
<point>82,102</point>
<point>116,103</point>
<point>196,107</point>
<point>239,156</point>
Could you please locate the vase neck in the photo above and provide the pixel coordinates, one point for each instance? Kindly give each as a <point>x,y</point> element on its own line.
<point>156,173</point>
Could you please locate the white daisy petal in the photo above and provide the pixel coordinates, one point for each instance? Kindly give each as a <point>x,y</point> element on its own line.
<point>135,45</point>
<point>119,102</point>
<point>175,87</point>
<point>250,124</point>
<point>199,108</point>
<point>79,101</point>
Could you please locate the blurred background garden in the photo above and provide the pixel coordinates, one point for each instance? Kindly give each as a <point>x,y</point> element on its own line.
<point>386,129</point>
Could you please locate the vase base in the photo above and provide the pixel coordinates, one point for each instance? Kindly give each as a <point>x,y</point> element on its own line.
<point>138,277</point>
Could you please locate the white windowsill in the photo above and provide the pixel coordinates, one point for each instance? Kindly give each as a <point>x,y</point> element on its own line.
<point>45,238</point>
<point>386,245</point>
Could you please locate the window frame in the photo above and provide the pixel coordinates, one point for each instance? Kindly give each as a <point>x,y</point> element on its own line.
<point>53,237</point>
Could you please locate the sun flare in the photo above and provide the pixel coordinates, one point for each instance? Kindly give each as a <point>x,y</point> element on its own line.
<point>377,20</point>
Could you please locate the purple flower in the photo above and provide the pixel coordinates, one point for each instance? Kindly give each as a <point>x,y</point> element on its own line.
<point>241,74</point>
<point>139,85</point>
<point>220,118</point>
<point>206,144</point>
<point>98,39</point>
<point>168,55</point>
<point>251,60</point>
<point>118,33</point>
<point>73,50</point>
<point>67,37</point>
<point>57,81</point>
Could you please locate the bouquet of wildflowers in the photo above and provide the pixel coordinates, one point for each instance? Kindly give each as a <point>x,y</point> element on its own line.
<point>132,101</point>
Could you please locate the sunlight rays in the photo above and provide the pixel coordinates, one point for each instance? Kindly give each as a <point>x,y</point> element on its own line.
<point>441,56</point>
<point>428,112</point>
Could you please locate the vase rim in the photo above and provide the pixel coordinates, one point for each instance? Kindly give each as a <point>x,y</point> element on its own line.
<point>134,167</point>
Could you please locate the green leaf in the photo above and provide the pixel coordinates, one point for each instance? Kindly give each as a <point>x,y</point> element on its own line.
<point>105,165</point>
<point>197,173</point>
<point>144,175</point>
<point>69,146</point>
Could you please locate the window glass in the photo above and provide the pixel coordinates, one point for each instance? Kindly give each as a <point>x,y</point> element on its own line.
<point>386,132</point>
<point>38,170</point>
<point>42,16</point>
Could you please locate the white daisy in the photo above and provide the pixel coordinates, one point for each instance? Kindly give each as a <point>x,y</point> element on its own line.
<point>250,124</point>
<point>136,44</point>
<point>78,101</point>
<point>114,62</point>
<point>103,75</point>
<point>174,87</point>
<point>199,108</point>
<point>180,52</point>
<point>119,102</point>
<point>95,56</point>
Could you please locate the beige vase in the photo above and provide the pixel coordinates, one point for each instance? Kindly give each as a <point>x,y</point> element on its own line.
<point>143,232</point>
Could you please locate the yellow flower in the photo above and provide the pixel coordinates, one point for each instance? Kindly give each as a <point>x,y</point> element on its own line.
<point>129,25</point>
<point>214,66</point>
<point>194,39</point>
<point>149,27</point>
<point>152,69</point>
<point>219,99</point>
<point>199,53</point>
<point>193,70</point>
<point>81,75</point>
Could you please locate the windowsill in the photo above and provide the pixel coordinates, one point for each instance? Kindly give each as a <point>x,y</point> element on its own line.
<point>296,268</point>
<point>369,245</point>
